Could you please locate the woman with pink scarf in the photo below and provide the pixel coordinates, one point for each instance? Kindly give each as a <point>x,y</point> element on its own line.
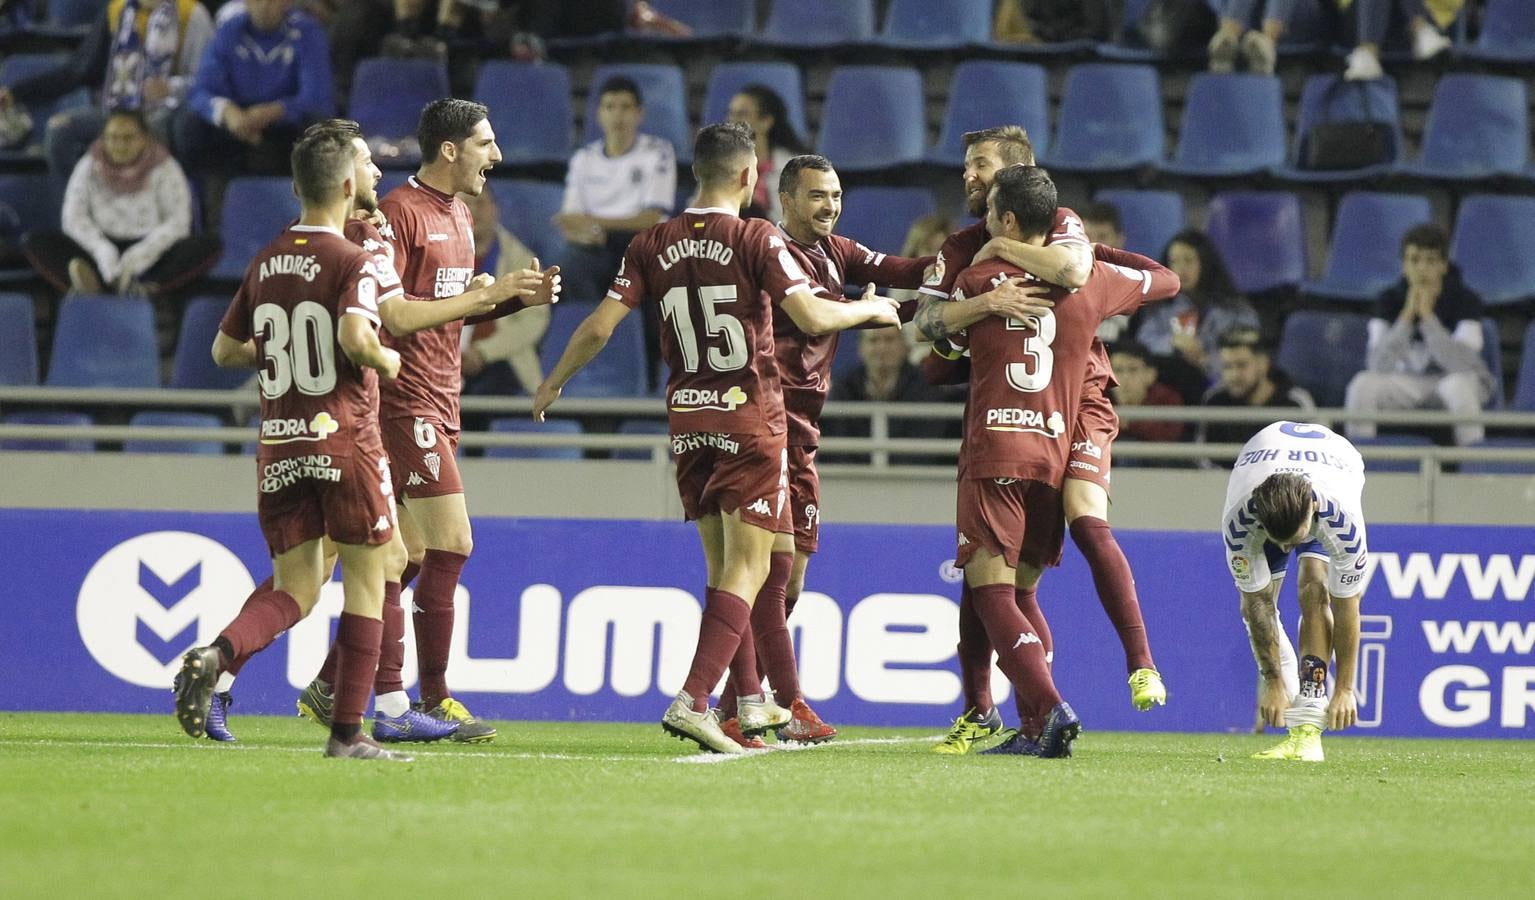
<point>127,220</point>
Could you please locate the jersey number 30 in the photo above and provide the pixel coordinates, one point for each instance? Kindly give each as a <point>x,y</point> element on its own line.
<point>730,357</point>
<point>300,350</point>
<point>1037,346</point>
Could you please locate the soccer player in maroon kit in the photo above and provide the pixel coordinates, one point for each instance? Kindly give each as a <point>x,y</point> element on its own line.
<point>1065,260</point>
<point>307,315</point>
<point>1025,389</point>
<point>716,278</point>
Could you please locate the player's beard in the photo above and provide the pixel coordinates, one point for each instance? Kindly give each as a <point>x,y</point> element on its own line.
<point>367,203</point>
<point>976,203</point>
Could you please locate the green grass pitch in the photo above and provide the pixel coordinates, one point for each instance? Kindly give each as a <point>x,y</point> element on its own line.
<point>109,806</point>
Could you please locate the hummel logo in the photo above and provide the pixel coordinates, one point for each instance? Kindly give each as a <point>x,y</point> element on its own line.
<point>1028,637</point>
<point>761,508</point>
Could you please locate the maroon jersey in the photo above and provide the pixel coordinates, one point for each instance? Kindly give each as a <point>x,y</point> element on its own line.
<point>1026,377</point>
<point>804,360</point>
<point>431,236</point>
<point>314,400</point>
<point>716,277</point>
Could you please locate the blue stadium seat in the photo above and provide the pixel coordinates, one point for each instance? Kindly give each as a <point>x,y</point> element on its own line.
<point>1508,32</point>
<point>805,24</point>
<point>1322,351</point>
<point>48,417</point>
<point>1149,218</point>
<point>1505,467</point>
<point>727,79</point>
<point>105,342</point>
<point>1261,237</point>
<point>1232,125</point>
<point>1393,440</point>
<point>1524,390</point>
<point>879,217</point>
<point>526,210</point>
<point>936,24</point>
<point>618,371</point>
<point>18,340</point>
<point>24,65</point>
<point>1110,119</point>
<point>868,121</point>
<point>193,368</point>
<point>33,198</point>
<point>156,419</point>
<point>1325,99</point>
<point>1478,127</point>
<point>1491,244</point>
<point>255,210</point>
<point>525,425</point>
<point>709,21</point>
<point>1365,255</point>
<point>985,93</point>
<point>388,94</point>
<point>666,108</point>
<point>67,19</point>
<point>529,109</point>
<point>640,426</point>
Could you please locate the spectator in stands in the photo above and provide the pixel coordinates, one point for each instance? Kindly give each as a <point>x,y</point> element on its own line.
<point>366,28</point>
<point>777,143</point>
<point>1237,36</point>
<point>1101,222</point>
<point>1136,371</point>
<point>1424,20</point>
<point>265,77</point>
<point>501,357</point>
<point>147,63</point>
<point>616,186</point>
<point>886,374</point>
<point>926,235</point>
<point>1189,327</point>
<point>1248,379</point>
<point>1425,344</point>
<point>127,220</point>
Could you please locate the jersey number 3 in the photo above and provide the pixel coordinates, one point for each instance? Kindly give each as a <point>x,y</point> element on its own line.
<point>300,350</point>
<point>730,357</point>
<point>1036,377</point>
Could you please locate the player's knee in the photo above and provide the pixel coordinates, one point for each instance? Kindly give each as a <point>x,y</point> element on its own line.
<point>461,542</point>
<point>1313,597</point>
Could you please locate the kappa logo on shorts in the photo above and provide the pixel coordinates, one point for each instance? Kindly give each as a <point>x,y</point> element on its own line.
<point>415,480</point>
<point>761,508</point>
<point>963,539</point>
<point>382,524</point>
<point>433,464</point>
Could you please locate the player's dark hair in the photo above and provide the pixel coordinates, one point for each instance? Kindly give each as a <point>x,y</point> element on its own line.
<point>1013,143</point>
<point>719,149</point>
<point>781,133</point>
<point>1214,280</point>
<point>1107,213</point>
<point>345,127</point>
<point>1283,504</point>
<point>621,84</point>
<point>1028,193</point>
<point>788,179</point>
<point>322,162</point>
<point>447,120</point>
<point>1427,236</point>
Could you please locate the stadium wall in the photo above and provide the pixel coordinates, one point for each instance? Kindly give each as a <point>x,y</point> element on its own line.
<point>568,619</point>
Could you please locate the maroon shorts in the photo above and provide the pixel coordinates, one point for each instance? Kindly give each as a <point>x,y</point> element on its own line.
<point>423,454</point>
<point>742,473</point>
<point>308,496</point>
<point>1092,437</point>
<point>1014,518</point>
<point>805,497</point>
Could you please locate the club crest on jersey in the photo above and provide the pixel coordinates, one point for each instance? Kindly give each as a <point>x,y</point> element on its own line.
<point>286,431</point>
<point>699,399</point>
<point>433,464</point>
<point>1025,420</point>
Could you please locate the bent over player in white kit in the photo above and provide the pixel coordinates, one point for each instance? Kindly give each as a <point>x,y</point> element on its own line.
<point>1297,487</point>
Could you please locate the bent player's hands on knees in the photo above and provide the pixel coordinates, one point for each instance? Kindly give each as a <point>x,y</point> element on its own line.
<point>1017,299</point>
<point>544,398</point>
<point>389,360</point>
<point>1343,710</point>
<point>1273,702</point>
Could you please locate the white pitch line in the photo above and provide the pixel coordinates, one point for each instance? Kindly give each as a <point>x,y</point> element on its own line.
<point>714,758</point>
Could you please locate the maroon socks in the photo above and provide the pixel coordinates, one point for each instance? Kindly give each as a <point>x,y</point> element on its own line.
<point>357,640</point>
<point>391,647</point>
<point>265,615</point>
<point>726,618</point>
<point>1020,653</point>
<point>770,628</point>
<point>434,622</point>
<point>974,655</point>
<point>1116,587</point>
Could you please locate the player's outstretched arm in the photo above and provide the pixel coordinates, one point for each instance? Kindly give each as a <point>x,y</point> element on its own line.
<point>359,341</point>
<point>487,298</point>
<point>229,353</point>
<point>1343,709</point>
<point>1067,263</point>
<point>937,319</point>
<point>1258,611</point>
<point>814,315</point>
<point>1163,283</point>
<point>585,343</point>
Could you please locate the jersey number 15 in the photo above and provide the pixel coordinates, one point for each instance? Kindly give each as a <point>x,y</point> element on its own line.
<point>730,357</point>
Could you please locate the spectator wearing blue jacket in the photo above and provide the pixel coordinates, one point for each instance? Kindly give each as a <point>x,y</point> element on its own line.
<point>265,77</point>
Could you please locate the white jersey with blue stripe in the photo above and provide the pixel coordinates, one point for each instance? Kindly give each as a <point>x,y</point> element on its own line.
<point>1336,472</point>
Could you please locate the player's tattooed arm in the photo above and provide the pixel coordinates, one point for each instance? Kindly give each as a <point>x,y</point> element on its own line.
<point>1258,611</point>
<point>1067,263</point>
<point>929,319</point>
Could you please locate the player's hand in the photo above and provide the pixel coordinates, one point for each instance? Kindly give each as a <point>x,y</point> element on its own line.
<point>536,285</point>
<point>1343,710</point>
<point>544,398</point>
<point>1273,700</point>
<point>391,363</point>
<point>992,249</point>
<point>1018,299</point>
<point>371,216</point>
<point>480,282</point>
